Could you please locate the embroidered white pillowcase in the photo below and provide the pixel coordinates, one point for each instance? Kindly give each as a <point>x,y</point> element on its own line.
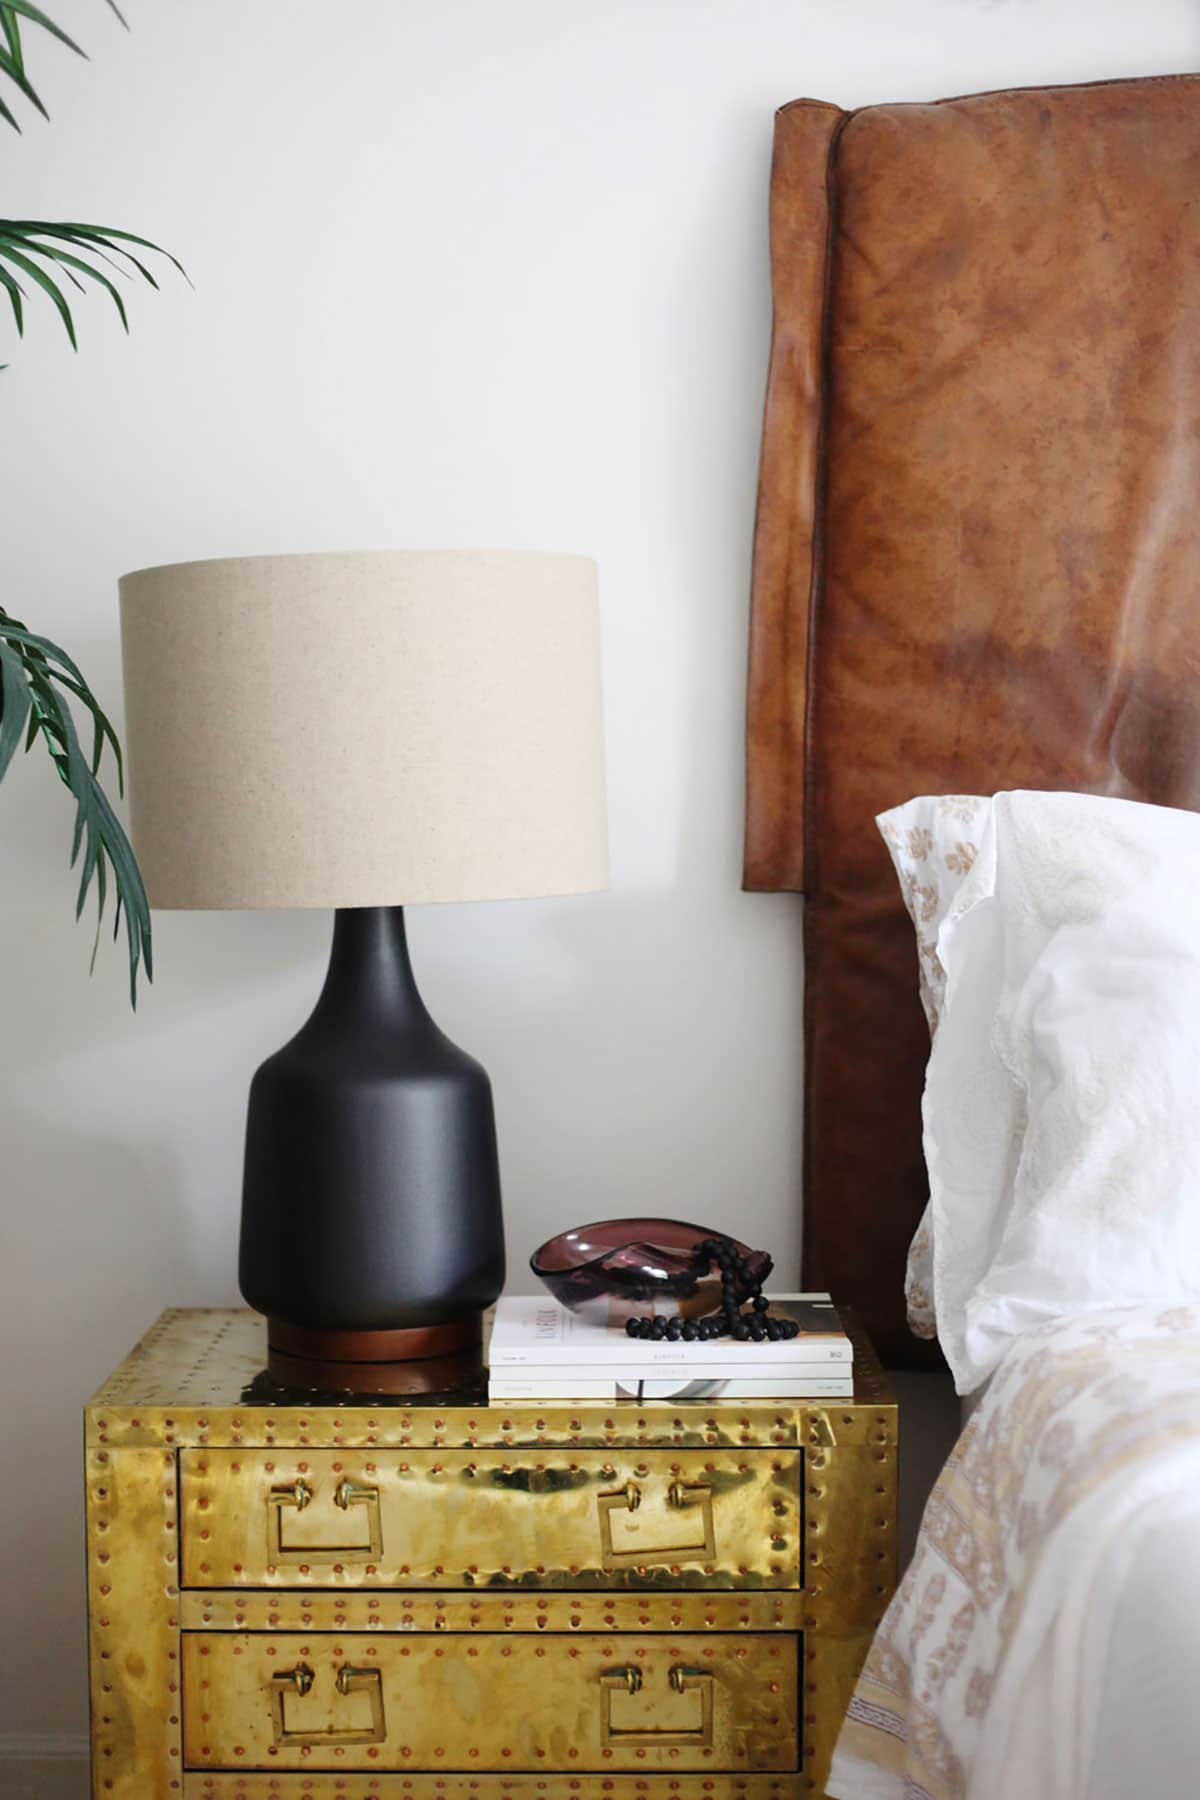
<point>1062,1099</point>
<point>933,841</point>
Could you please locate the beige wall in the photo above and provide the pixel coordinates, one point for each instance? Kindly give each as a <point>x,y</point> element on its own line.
<point>466,272</point>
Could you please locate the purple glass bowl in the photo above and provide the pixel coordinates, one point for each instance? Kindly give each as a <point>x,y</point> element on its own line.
<point>619,1267</point>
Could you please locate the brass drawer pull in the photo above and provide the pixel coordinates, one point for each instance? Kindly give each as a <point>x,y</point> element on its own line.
<point>298,1496</point>
<point>623,1546</point>
<point>348,1680</point>
<point>301,1678</point>
<point>641,1728</point>
<point>680,1493</point>
<point>686,1495</point>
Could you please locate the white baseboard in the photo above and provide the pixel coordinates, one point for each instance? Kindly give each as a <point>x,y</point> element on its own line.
<point>36,1767</point>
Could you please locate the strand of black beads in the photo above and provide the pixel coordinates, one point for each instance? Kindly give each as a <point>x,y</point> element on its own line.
<point>754,1325</point>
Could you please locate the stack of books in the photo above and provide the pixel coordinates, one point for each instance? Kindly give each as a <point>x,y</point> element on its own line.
<point>540,1351</point>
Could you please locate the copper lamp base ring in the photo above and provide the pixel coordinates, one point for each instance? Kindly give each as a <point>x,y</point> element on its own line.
<point>420,1359</point>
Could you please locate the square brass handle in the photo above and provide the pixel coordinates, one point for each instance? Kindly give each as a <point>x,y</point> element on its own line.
<point>681,1679</point>
<point>625,1546</point>
<point>297,1497</point>
<point>301,1680</point>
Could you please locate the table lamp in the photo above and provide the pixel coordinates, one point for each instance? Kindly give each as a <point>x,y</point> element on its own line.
<point>362,731</point>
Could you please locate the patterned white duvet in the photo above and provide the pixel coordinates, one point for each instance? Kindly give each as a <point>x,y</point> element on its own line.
<point>1045,1642</point>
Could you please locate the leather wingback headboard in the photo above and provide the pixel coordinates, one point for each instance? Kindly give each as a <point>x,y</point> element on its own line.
<point>977,558</point>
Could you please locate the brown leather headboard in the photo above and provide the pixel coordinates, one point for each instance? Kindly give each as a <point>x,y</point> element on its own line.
<point>977,558</point>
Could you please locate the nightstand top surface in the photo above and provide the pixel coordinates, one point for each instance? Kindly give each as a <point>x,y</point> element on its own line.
<point>199,1376</point>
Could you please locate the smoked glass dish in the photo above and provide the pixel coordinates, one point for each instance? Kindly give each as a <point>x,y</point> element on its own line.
<point>617,1267</point>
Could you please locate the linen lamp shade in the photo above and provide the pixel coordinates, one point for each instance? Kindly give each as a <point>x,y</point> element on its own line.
<point>364,729</point>
<point>360,732</point>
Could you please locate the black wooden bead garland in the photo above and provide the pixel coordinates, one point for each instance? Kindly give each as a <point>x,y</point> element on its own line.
<point>754,1325</point>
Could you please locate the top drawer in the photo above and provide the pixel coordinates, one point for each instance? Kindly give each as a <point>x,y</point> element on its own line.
<point>477,1518</point>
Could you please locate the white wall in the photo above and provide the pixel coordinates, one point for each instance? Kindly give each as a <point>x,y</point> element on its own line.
<point>466,272</point>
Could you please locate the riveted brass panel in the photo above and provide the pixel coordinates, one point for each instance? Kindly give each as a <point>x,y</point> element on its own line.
<point>850,1568</point>
<point>133,1623</point>
<point>197,1378</point>
<point>494,1787</point>
<point>478,1518</point>
<point>489,1704</point>
<point>849,1538</point>
<point>249,1609</point>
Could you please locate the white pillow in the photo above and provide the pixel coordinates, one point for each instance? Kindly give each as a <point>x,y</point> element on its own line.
<point>1062,1099</point>
<point>933,841</point>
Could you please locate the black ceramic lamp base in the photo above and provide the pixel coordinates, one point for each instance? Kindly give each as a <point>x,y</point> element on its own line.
<point>372,1235</point>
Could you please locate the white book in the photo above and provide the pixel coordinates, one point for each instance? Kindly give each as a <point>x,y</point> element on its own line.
<point>534,1331</point>
<point>675,1368</point>
<point>680,1387</point>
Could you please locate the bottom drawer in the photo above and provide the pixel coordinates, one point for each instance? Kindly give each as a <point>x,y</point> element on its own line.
<point>353,1700</point>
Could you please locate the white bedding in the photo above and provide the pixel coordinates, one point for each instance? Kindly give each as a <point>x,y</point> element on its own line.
<point>1045,1642</point>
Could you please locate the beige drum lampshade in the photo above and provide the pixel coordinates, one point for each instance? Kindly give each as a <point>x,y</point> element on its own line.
<point>366,729</point>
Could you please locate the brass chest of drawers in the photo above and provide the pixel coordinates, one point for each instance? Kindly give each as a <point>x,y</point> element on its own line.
<point>446,1600</point>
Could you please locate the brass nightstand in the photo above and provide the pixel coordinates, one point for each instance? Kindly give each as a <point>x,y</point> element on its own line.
<point>405,1600</point>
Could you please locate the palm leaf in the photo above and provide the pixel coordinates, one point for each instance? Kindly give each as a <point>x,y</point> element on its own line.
<point>12,60</point>
<point>33,669</point>
<point>92,243</point>
<point>45,649</point>
<point>102,730</point>
<point>14,704</point>
<point>10,25</point>
<point>29,233</point>
<point>15,290</point>
<point>68,261</point>
<point>131,893</point>
<point>41,655</point>
<point>101,897</point>
<point>23,241</point>
<point>37,17</point>
<point>11,255</point>
<point>109,235</point>
<point>15,70</point>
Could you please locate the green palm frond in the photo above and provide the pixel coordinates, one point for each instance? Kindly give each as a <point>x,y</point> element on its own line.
<point>12,57</point>
<point>38,680</point>
<point>32,672</point>
<point>35,251</point>
<point>54,256</point>
<point>38,254</point>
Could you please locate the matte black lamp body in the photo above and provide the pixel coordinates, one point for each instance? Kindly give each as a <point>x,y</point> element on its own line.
<point>371,1218</point>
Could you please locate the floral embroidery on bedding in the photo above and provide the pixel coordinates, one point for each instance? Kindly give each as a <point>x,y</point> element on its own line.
<point>1079,1412</point>
<point>933,842</point>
